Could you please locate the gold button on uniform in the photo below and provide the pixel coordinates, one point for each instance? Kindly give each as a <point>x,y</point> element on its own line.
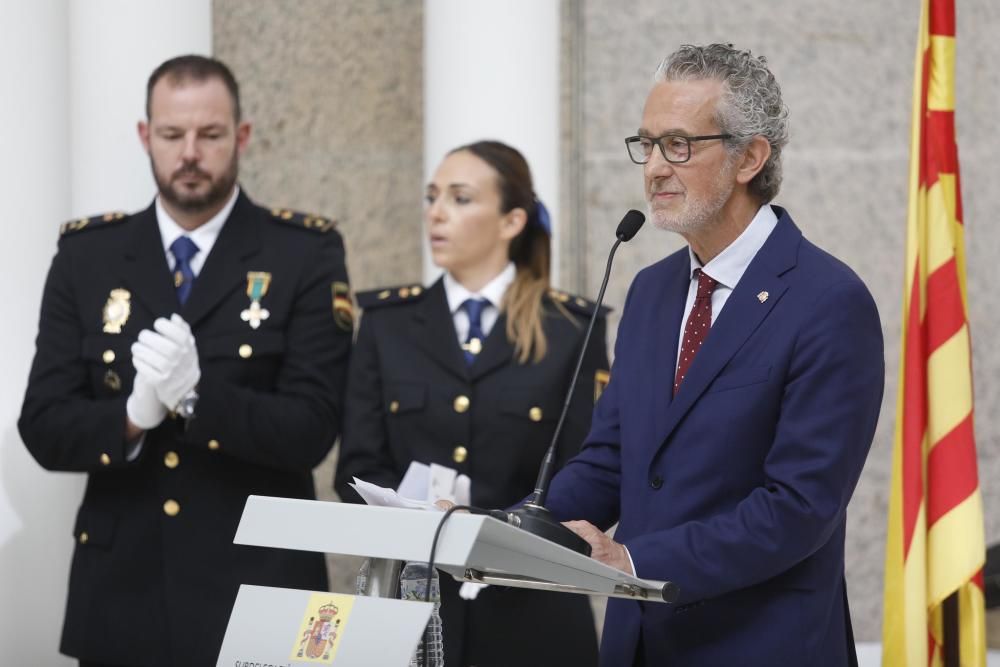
<point>108,356</point>
<point>171,508</point>
<point>105,460</point>
<point>84,537</point>
<point>461,404</point>
<point>171,460</point>
<point>535,414</point>
<point>460,454</point>
<point>213,444</point>
<point>394,407</point>
<point>246,351</point>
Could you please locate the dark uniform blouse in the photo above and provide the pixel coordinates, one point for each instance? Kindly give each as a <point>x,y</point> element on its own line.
<point>412,397</point>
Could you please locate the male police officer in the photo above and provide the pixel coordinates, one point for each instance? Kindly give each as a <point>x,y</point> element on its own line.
<point>188,355</point>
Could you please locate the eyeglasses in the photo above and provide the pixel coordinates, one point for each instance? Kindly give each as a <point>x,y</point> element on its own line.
<point>676,148</point>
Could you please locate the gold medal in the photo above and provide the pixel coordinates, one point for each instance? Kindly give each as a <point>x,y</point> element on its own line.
<point>116,310</point>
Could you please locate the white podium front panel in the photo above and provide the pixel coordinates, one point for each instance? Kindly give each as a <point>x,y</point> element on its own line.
<point>284,627</point>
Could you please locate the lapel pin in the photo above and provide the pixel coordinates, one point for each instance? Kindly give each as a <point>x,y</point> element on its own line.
<point>762,297</point>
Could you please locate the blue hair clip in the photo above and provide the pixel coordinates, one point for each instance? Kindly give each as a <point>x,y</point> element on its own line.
<point>542,216</point>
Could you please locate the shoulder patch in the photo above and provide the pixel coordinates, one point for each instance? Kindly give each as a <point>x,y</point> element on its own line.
<point>306,220</point>
<point>92,222</point>
<point>575,304</point>
<point>389,296</point>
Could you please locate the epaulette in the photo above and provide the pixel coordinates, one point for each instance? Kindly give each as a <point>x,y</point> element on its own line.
<point>388,296</point>
<point>93,222</point>
<point>313,222</point>
<point>576,304</point>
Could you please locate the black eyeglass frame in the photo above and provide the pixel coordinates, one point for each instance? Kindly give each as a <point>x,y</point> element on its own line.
<point>658,141</point>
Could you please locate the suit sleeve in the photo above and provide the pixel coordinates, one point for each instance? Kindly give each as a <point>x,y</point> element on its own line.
<point>364,449</point>
<point>829,410</point>
<point>62,423</point>
<point>293,426</point>
<point>588,486</point>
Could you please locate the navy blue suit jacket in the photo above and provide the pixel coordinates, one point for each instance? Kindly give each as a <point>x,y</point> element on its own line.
<point>736,489</point>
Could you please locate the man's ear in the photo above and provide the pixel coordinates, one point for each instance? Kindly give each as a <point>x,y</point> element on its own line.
<point>143,128</point>
<point>243,131</point>
<point>755,156</point>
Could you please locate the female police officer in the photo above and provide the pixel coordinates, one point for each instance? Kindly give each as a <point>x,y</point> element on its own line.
<point>471,373</point>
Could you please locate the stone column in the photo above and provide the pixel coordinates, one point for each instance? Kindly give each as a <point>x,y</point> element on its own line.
<point>74,83</point>
<point>491,71</point>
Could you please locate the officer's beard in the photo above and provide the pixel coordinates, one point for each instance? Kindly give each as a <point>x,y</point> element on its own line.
<point>214,197</point>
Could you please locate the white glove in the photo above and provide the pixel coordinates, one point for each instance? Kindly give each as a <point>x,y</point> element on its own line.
<point>169,358</point>
<point>143,407</point>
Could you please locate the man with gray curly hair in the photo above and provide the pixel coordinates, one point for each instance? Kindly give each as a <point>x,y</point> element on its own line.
<point>743,399</point>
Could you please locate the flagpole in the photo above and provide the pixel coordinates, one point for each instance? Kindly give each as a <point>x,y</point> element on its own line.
<point>951,647</point>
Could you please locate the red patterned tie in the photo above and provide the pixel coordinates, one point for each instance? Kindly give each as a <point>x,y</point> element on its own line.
<point>698,324</point>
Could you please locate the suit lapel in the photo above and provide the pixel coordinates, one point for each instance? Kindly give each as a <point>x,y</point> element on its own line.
<point>146,273</point>
<point>435,331</point>
<point>224,269</point>
<point>667,314</point>
<point>742,314</point>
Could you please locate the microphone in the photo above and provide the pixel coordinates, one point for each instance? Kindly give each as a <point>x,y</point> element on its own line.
<point>532,516</point>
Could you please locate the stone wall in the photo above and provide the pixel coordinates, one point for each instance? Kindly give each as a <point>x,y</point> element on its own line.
<point>335,89</point>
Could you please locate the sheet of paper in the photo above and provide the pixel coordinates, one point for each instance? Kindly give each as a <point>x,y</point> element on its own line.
<point>380,496</point>
<point>432,482</point>
<point>414,482</point>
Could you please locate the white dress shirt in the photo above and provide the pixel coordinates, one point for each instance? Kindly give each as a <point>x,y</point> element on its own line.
<point>493,292</point>
<point>729,265</point>
<point>204,236</point>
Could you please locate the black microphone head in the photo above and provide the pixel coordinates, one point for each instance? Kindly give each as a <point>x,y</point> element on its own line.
<point>629,226</point>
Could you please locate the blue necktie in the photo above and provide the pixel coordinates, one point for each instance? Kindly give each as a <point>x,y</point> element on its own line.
<point>183,249</point>
<point>474,341</point>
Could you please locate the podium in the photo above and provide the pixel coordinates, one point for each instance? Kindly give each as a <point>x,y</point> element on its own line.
<point>471,547</point>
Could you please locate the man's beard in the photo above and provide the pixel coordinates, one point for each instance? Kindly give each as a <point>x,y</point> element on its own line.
<point>696,214</point>
<point>218,192</point>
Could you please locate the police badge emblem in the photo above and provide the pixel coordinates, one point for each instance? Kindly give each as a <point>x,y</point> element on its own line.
<point>116,310</point>
<point>343,307</point>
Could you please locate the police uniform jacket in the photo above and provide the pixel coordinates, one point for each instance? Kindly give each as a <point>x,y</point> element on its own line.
<point>412,397</point>
<point>155,573</point>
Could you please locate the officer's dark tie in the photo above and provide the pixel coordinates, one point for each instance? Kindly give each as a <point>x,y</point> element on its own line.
<point>183,249</point>
<point>474,341</point>
<point>698,324</point>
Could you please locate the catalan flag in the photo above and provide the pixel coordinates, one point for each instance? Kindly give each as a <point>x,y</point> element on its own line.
<point>935,546</point>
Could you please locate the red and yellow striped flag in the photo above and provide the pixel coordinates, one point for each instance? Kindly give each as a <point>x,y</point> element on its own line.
<point>935,545</point>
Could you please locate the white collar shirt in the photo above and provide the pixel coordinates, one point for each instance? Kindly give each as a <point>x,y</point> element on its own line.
<point>493,292</point>
<point>728,267</point>
<point>204,236</point>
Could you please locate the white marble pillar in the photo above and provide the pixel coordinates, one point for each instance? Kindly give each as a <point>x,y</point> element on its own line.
<point>114,45</point>
<point>73,76</point>
<point>491,71</point>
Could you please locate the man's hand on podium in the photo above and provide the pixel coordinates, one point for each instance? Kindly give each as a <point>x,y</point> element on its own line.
<point>603,548</point>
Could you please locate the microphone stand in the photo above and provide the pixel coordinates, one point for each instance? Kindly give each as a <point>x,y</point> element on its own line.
<point>533,516</point>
